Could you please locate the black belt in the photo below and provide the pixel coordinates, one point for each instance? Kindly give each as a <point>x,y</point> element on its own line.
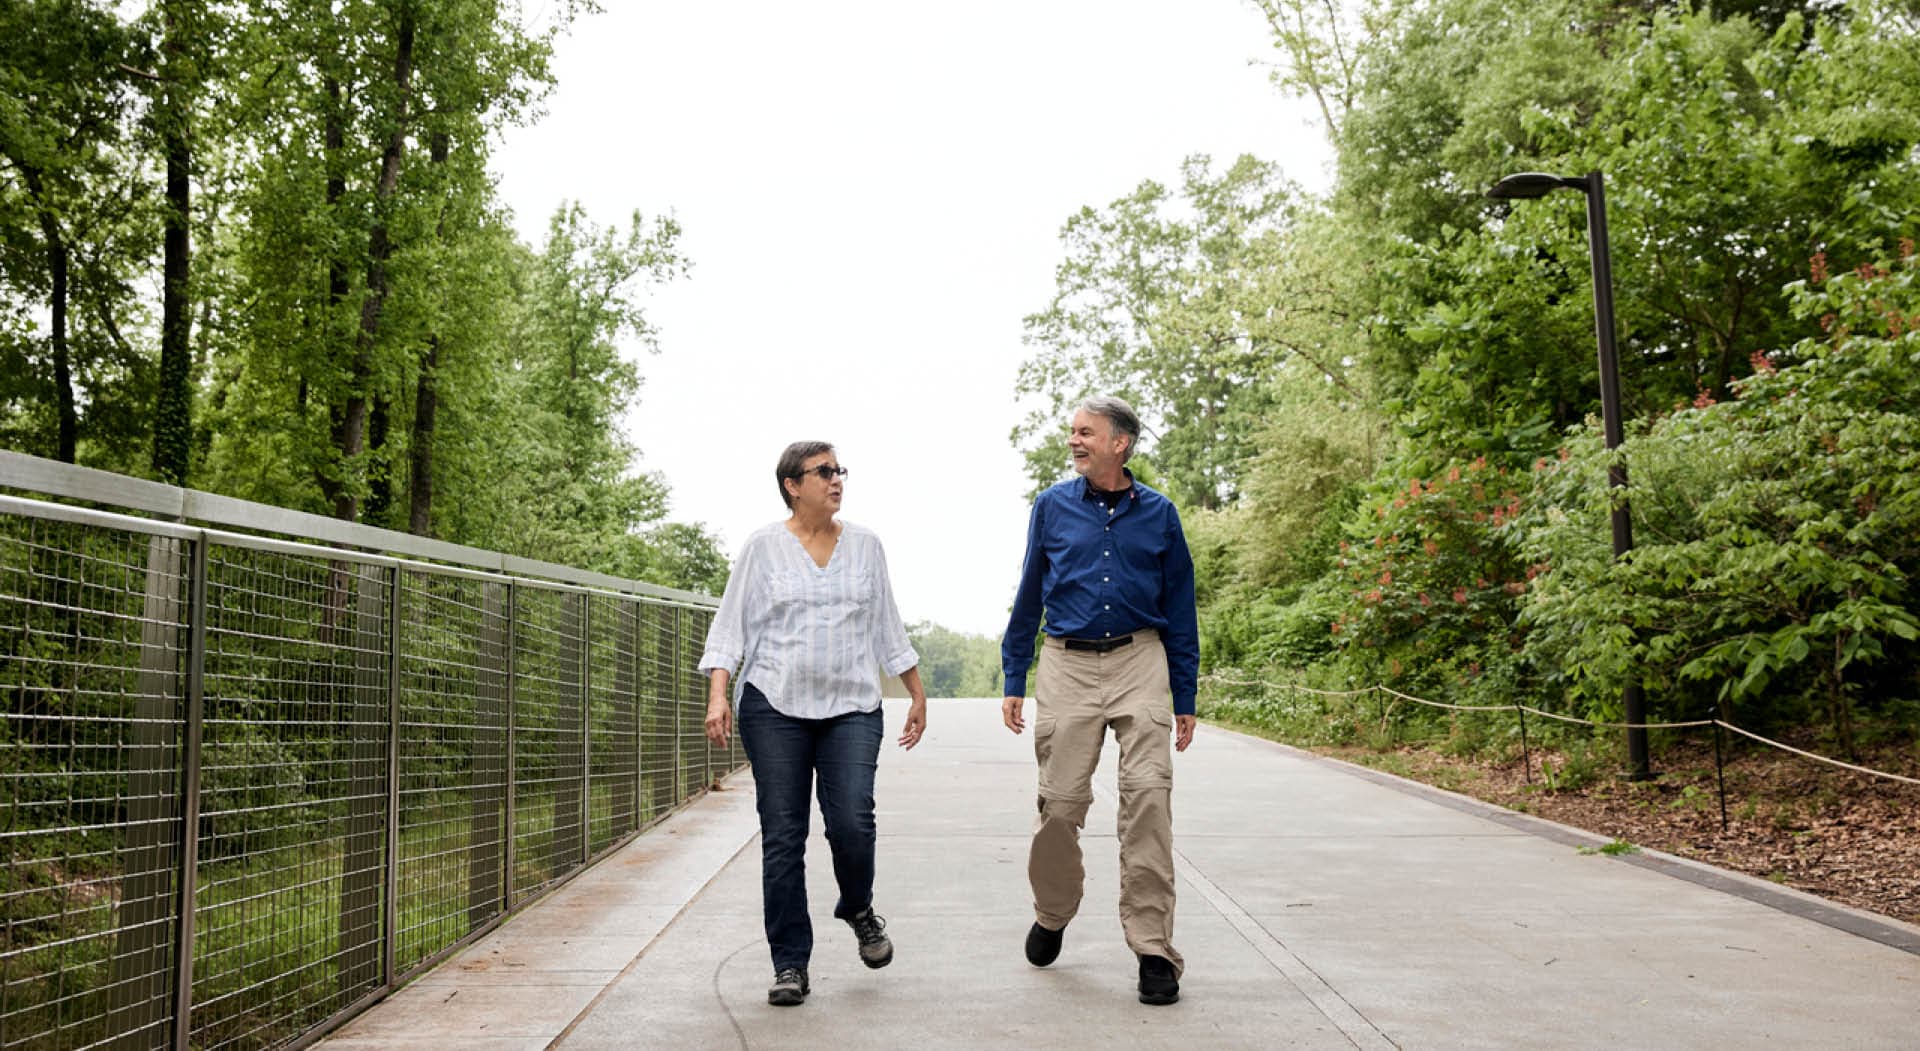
<point>1097,645</point>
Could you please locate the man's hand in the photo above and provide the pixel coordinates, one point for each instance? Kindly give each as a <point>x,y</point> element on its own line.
<point>1010,713</point>
<point>1183,731</point>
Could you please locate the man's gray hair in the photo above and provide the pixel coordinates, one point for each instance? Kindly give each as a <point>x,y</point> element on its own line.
<point>1119,415</point>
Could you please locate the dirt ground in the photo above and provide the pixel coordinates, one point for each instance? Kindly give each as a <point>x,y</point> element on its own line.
<point>1844,836</point>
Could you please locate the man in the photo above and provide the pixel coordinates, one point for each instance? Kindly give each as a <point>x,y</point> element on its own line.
<point>1108,564</point>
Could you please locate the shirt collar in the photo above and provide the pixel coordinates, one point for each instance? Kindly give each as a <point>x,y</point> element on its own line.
<point>1087,490</point>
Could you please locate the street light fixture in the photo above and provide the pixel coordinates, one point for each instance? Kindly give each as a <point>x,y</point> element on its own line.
<point>1527,185</point>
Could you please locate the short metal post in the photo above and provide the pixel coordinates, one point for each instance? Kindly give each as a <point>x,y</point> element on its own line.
<point>1526,757</point>
<point>1720,773</point>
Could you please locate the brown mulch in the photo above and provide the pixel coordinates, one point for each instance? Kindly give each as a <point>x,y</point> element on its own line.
<point>1843,836</point>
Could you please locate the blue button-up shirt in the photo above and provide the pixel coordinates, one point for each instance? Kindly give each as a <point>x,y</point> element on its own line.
<point>1101,572</point>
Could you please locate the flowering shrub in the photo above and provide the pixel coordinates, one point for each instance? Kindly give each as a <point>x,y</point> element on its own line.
<point>1777,535</point>
<point>1429,580</point>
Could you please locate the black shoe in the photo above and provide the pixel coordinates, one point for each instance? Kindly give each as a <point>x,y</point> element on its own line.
<point>1043,945</point>
<point>1157,983</point>
<point>789,987</point>
<point>876,949</point>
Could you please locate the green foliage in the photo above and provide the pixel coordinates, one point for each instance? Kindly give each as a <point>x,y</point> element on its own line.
<point>1428,580</point>
<point>1184,304</point>
<point>1777,533</point>
<point>954,664</point>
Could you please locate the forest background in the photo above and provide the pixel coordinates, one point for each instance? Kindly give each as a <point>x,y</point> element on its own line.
<point>1373,405</point>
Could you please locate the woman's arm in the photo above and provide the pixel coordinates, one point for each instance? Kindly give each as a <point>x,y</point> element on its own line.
<point>917,711</point>
<point>719,711</point>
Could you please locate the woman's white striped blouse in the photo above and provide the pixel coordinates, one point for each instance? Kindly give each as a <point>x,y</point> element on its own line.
<point>810,638</point>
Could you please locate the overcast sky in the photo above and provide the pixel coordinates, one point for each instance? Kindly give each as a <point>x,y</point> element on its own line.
<point>872,192</point>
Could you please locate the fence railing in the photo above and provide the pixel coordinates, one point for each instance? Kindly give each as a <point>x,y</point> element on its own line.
<point>253,783</point>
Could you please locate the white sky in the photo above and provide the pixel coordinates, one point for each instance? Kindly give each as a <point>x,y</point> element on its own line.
<point>871,193</point>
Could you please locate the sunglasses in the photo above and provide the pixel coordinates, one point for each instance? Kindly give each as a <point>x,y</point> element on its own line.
<point>824,472</point>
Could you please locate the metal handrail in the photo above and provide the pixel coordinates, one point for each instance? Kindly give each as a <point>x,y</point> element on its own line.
<point>67,481</point>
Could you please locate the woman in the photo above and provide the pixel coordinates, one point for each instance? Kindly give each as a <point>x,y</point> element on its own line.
<point>807,615</point>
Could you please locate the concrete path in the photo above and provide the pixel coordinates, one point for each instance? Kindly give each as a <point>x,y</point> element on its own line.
<point>1320,906</point>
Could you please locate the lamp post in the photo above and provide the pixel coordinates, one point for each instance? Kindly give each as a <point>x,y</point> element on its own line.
<point>1538,184</point>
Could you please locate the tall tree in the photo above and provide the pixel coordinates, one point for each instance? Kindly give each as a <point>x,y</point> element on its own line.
<point>66,197</point>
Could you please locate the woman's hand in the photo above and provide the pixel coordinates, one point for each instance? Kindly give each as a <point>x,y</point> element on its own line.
<point>916,723</point>
<point>719,719</point>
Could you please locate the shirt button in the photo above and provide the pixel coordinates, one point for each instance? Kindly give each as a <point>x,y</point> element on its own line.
<point>1105,580</point>
<point>1106,554</point>
<point>1106,607</point>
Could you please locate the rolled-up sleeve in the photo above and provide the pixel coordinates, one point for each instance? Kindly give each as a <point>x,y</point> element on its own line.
<point>727,636</point>
<point>890,642</point>
<point>1023,622</point>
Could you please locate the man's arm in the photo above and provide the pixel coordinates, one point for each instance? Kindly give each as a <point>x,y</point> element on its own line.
<point>1182,637</point>
<point>1016,643</point>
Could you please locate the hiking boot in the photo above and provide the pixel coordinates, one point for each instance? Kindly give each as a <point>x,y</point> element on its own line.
<point>1043,945</point>
<point>789,987</point>
<point>875,949</point>
<point>1157,983</point>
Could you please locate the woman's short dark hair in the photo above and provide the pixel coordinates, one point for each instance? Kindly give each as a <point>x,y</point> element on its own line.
<point>790,462</point>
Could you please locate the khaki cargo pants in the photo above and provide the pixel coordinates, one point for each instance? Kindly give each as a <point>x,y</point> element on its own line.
<point>1078,695</point>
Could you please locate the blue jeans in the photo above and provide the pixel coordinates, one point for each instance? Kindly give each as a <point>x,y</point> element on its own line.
<point>786,753</point>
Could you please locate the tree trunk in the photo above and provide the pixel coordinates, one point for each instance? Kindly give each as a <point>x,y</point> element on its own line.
<point>350,429</point>
<point>173,402</point>
<point>379,471</point>
<point>426,402</point>
<point>335,488</point>
<point>57,256</point>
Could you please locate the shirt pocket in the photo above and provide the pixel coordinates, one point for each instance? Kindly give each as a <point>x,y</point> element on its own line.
<point>786,588</point>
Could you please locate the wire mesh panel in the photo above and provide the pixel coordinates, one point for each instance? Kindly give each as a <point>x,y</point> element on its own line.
<point>690,704</point>
<point>93,635</point>
<point>293,804</point>
<point>659,729</point>
<point>453,747</point>
<point>615,751</point>
<point>547,774</point>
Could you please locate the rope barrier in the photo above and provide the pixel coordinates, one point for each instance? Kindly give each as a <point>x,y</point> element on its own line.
<point>1818,758</point>
<point>1617,726</point>
<point>1443,704</point>
<point>1520,708</point>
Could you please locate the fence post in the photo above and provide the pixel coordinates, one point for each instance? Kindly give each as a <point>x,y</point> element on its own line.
<point>390,919</point>
<point>489,770</point>
<point>195,734</point>
<point>626,791</point>
<point>671,694</point>
<point>362,871</point>
<point>586,726</point>
<point>510,847</point>
<point>138,995</point>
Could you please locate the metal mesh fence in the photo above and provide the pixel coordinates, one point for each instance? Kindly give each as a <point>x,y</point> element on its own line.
<point>453,776</point>
<point>92,631</point>
<point>613,752</point>
<point>293,794</point>
<point>350,764</point>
